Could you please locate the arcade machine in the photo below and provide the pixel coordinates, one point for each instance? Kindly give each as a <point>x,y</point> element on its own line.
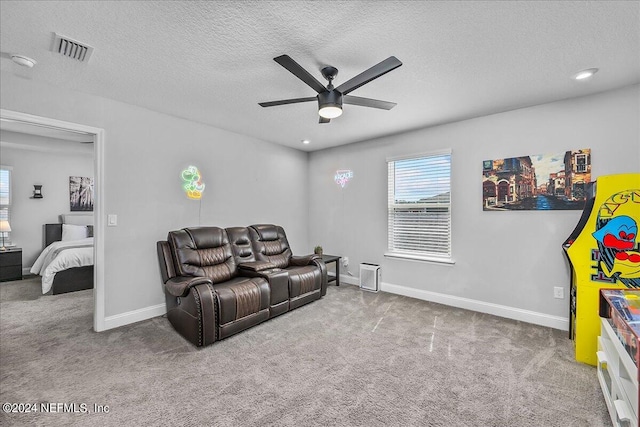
<point>603,252</point>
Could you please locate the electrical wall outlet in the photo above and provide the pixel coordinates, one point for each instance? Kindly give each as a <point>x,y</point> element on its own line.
<point>345,261</point>
<point>558,292</point>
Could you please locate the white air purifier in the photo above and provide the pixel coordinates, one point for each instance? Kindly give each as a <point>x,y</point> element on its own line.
<point>369,277</point>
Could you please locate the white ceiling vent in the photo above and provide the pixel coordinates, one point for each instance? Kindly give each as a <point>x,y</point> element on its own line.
<point>72,48</point>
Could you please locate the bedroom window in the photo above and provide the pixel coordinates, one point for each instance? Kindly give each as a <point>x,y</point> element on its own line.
<point>5,199</point>
<point>419,207</point>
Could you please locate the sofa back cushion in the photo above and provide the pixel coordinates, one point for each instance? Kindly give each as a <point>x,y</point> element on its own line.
<point>241,244</point>
<point>203,251</point>
<point>270,244</point>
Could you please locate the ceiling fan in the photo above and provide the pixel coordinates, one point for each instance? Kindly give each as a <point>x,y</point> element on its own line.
<point>330,99</point>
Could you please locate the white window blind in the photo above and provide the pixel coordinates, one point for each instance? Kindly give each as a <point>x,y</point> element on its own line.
<point>419,206</point>
<point>5,199</point>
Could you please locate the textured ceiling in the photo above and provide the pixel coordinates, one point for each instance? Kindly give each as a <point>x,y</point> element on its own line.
<point>212,62</point>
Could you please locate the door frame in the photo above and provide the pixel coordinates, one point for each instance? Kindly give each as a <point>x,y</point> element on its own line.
<point>98,207</point>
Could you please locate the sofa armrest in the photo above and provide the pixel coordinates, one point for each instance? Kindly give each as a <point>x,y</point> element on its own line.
<point>303,260</point>
<point>256,266</point>
<point>317,260</point>
<point>179,286</point>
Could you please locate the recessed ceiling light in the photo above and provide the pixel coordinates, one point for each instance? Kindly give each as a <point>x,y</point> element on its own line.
<point>23,60</point>
<point>305,141</point>
<point>585,74</point>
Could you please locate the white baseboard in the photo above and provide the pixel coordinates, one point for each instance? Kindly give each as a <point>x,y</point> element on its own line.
<point>134,316</point>
<point>350,280</point>
<point>513,313</point>
<point>534,317</point>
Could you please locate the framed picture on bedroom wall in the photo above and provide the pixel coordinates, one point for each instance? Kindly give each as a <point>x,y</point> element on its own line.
<point>81,194</point>
<point>557,181</point>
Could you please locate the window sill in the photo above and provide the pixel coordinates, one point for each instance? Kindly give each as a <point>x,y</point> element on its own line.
<point>420,258</point>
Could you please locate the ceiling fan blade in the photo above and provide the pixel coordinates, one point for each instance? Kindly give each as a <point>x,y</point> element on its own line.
<point>297,70</point>
<point>368,102</point>
<point>323,120</point>
<point>389,64</point>
<point>287,101</point>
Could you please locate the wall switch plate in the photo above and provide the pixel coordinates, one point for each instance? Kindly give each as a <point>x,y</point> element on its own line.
<point>558,292</point>
<point>112,220</point>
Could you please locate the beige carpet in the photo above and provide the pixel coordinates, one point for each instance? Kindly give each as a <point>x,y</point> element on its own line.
<point>350,359</point>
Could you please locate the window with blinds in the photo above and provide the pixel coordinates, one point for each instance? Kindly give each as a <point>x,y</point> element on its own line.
<point>419,207</point>
<point>5,199</point>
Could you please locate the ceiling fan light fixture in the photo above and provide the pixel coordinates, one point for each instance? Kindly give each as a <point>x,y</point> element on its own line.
<point>330,111</point>
<point>330,104</point>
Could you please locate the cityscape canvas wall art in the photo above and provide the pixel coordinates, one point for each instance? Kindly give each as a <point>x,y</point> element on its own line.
<point>558,181</point>
<point>81,193</point>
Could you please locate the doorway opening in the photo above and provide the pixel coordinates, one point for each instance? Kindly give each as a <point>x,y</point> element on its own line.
<point>17,120</point>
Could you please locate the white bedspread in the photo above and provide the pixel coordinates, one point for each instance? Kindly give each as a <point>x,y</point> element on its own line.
<point>60,256</point>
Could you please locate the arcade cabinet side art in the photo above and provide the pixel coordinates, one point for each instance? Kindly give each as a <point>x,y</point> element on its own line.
<point>605,254</point>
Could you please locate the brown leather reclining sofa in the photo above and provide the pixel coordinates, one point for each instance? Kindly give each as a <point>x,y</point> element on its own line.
<point>219,282</point>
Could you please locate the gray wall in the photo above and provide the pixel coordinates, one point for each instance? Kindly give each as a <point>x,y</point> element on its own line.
<point>48,162</point>
<point>511,259</point>
<point>247,181</point>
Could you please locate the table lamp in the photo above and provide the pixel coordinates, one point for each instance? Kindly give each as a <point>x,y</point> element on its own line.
<point>5,227</point>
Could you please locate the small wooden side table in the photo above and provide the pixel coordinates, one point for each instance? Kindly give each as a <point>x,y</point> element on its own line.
<point>11,264</point>
<point>328,259</point>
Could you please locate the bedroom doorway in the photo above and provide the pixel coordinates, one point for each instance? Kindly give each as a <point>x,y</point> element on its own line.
<point>27,123</point>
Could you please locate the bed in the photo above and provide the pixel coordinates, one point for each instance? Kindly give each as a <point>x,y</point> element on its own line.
<point>66,263</point>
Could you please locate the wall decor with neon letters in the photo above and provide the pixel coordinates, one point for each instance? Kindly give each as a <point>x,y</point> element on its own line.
<point>342,177</point>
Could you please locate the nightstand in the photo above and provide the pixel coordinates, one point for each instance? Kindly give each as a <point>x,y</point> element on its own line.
<point>11,264</point>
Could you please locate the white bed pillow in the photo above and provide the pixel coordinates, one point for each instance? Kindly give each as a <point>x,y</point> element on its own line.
<point>78,218</point>
<point>73,232</point>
